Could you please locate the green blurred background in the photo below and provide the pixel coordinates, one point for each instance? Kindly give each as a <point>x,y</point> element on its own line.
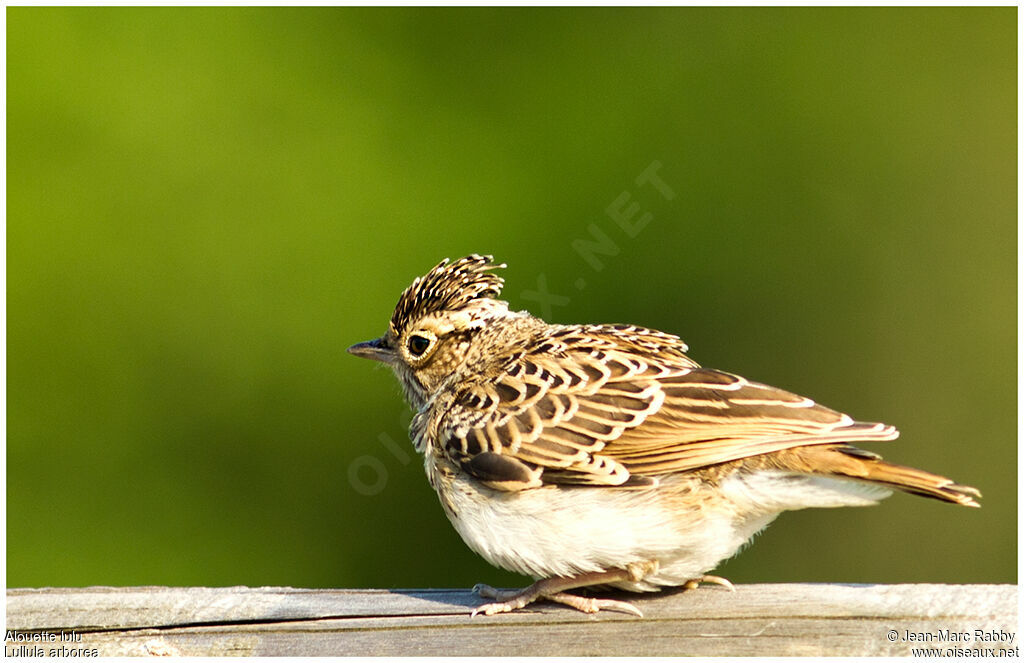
<point>207,206</point>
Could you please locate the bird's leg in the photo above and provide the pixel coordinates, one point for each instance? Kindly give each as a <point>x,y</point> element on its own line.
<point>694,583</point>
<point>554,589</point>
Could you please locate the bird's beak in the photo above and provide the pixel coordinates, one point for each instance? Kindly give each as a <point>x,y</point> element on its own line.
<point>374,349</point>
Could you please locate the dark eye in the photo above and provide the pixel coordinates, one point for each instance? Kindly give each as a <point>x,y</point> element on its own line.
<point>418,345</point>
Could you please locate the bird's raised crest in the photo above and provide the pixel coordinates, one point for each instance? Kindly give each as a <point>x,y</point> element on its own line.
<point>449,286</point>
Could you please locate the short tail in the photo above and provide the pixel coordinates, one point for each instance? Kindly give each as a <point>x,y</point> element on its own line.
<point>847,461</point>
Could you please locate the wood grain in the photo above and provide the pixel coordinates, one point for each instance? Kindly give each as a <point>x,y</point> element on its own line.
<point>756,620</point>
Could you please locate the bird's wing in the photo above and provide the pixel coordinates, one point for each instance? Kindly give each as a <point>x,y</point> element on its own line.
<point>603,415</point>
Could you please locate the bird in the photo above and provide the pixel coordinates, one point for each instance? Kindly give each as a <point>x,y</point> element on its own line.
<point>602,456</point>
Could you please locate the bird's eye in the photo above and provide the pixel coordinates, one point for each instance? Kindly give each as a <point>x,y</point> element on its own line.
<point>418,345</point>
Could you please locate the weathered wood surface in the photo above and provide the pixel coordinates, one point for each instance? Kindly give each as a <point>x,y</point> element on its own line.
<point>756,620</point>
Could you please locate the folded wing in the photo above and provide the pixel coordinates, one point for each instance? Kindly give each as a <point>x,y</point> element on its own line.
<point>605,413</point>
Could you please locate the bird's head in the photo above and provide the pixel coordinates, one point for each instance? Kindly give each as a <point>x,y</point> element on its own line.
<point>435,322</point>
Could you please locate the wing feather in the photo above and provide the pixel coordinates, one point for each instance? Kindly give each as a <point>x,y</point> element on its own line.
<point>581,409</point>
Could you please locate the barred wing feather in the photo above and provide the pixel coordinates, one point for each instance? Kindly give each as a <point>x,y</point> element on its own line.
<point>606,416</point>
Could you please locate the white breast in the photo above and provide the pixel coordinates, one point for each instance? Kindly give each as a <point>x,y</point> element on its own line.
<point>688,526</point>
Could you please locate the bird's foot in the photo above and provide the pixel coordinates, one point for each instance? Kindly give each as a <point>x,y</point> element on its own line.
<point>553,589</point>
<point>508,600</point>
<point>592,605</point>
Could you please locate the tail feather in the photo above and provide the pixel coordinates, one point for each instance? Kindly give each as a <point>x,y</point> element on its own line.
<point>848,461</point>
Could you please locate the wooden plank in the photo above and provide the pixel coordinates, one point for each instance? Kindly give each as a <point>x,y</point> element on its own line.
<point>765,620</point>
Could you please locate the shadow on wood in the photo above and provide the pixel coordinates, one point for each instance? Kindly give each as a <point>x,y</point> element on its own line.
<point>756,620</point>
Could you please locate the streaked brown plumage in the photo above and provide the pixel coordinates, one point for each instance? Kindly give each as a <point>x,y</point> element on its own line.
<point>602,454</point>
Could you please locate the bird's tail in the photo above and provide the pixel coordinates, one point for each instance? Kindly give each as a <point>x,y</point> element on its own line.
<point>845,461</point>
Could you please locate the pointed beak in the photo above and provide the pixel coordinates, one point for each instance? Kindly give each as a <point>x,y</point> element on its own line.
<point>374,349</point>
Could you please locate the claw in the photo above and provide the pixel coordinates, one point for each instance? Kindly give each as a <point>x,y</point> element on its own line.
<point>621,606</point>
<point>694,583</point>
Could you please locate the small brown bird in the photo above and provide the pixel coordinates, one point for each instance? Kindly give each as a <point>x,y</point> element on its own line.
<point>602,455</point>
